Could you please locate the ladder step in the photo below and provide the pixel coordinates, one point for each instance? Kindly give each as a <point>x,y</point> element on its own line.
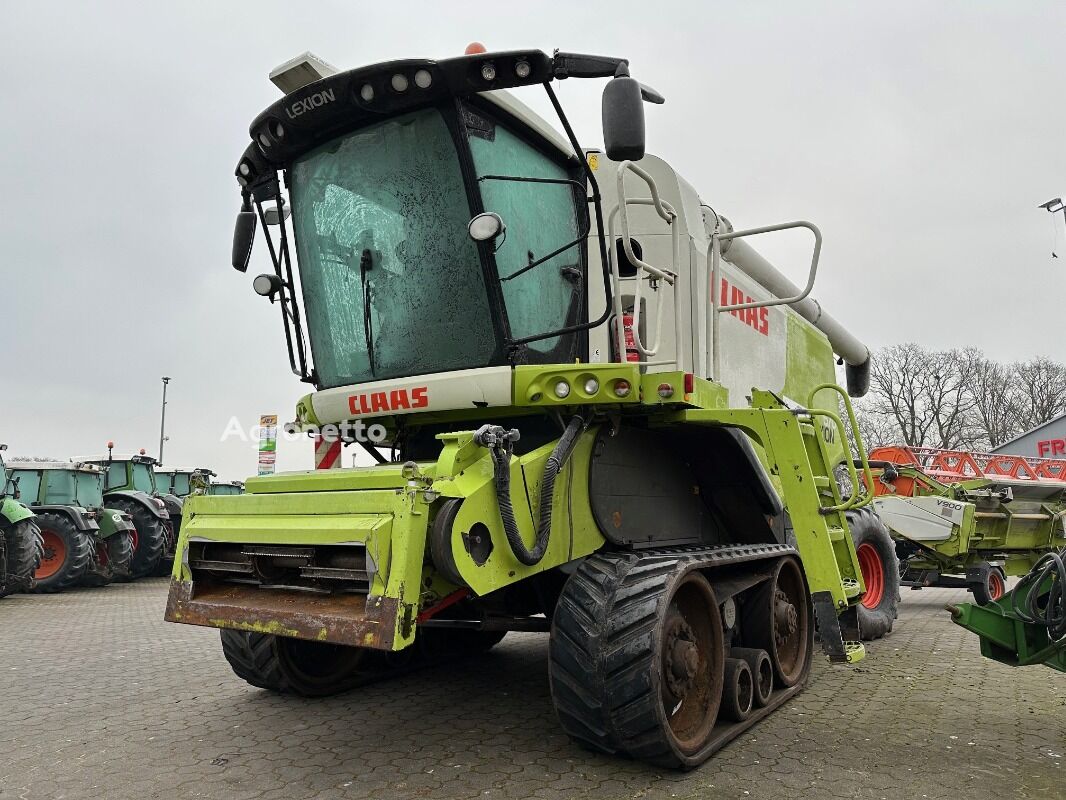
<point>836,534</point>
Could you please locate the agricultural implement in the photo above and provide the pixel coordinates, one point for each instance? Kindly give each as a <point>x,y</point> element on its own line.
<point>84,542</point>
<point>561,346</point>
<point>969,520</point>
<point>20,538</point>
<point>129,486</point>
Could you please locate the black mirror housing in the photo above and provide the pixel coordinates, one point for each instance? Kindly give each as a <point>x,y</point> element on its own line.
<point>623,119</point>
<point>243,237</point>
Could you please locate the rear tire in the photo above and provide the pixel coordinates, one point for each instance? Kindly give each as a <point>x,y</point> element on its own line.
<point>67,552</point>
<point>150,537</point>
<point>165,566</point>
<point>24,548</point>
<point>99,572</point>
<point>879,607</point>
<point>993,587</point>
<point>294,666</point>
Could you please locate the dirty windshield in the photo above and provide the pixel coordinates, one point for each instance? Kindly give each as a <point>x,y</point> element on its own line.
<point>392,283</point>
<point>143,478</point>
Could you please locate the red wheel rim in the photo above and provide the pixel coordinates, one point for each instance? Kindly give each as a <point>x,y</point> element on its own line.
<point>873,575</point>
<point>133,538</point>
<point>55,555</point>
<point>103,558</point>
<point>995,585</point>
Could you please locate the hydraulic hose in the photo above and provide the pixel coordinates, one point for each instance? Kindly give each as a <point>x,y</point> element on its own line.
<point>1049,609</point>
<point>500,443</point>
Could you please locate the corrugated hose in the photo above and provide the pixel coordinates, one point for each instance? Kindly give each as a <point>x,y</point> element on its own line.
<point>1033,611</point>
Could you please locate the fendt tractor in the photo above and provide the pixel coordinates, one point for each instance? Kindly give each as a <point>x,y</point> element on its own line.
<point>562,346</point>
<point>225,488</point>
<point>178,482</point>
<point>20,538</point>
<point>84,543</point>
<point>129,486</point>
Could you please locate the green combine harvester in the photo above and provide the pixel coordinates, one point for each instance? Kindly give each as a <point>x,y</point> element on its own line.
<point>607,417</point>
<point>129,486</point>
<point>20,537</point>
<point>971,520</point>
<point>85,544</point>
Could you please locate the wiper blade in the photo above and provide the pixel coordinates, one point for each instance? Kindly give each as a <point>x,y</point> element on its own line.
<point>366,263</point>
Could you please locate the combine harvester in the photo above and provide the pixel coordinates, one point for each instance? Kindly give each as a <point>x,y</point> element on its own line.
<point>969,520</point>
<point>562,345</point>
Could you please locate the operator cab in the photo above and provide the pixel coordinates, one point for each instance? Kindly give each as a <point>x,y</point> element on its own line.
<point>438,224</point>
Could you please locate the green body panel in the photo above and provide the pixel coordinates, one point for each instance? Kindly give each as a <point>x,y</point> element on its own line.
<point>1014,534</point>
<point>13,511</point>
<point>1007,638</point>
<point>390,509</point>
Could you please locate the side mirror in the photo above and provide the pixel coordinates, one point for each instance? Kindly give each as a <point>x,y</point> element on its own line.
<point>623,119</point>
<point>243,236</point>
<point>3,447</point>
<point>273,217</point>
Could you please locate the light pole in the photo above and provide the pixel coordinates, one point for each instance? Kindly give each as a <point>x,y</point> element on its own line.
<point>1054,206</point>
<point>163,420</point>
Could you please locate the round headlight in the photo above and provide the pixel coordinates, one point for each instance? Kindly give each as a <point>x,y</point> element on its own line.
<point>562,389</point>
<point>621,388</point>
<point>592,386</point>
<point>279,130</point>
<point>423,79</point>
<point>488,71</point>
<point>522,69</point>
<point>399,82</point>
<point>366,92</point>
<point>244,169</point>
<point>666,390</point>
<point>264,140</point>
<point>486,227</point>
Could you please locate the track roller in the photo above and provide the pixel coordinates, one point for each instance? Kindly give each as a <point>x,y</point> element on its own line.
<point>761,669</point>
<point>738,695</point>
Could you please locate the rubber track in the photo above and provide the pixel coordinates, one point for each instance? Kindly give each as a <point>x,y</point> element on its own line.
<point>602,651</point>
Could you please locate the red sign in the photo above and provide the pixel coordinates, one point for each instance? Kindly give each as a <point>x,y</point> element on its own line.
<point>1052,447</point>
<point>389,401</point>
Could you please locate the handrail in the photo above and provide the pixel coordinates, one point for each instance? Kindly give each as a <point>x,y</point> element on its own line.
<point>714,256</point>
<point>856,500</point>
<point>665,211</point>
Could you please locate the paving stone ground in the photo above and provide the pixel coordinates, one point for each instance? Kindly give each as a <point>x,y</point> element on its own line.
<point>99,698</point>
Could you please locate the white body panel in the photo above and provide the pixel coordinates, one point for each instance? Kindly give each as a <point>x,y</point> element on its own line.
<point>923,519</point>
<point>440,391</point>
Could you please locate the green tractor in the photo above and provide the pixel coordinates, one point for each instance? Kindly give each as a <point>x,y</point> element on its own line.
<point>176,482</point>
<point>20,537</point>
<point>129,486</point>
<point>550,351</point>
<point>225,488</point>
<point>84,543</point>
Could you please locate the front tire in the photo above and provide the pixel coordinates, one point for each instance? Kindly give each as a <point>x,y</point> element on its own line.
<point>993,587</point>
<point>67,552</point>
<point>876,551</point>
<point>294,666</point>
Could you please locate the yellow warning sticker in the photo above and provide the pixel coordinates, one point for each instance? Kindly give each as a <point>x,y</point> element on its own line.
<point>594,160</point>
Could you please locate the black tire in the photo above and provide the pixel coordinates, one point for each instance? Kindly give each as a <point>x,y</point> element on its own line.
<point>171,529</point>
<point>67,552</point>
<point>24,549</point>
<point>991,588</point>
<point>608,670</point>
<point>879,608</point>
<point>294,666</point>
<point>151,536</point>
<point>120,552</point>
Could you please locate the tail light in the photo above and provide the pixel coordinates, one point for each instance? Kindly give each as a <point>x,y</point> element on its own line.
<point>632,354</point>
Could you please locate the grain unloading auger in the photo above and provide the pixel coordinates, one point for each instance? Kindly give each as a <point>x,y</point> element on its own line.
<point>561,347</point>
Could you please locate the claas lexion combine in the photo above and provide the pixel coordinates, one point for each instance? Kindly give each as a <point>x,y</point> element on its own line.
<point>608,417</point>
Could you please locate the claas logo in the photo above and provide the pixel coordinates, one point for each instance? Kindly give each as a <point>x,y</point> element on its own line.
<point>395,400</point>
<point>755,318</point>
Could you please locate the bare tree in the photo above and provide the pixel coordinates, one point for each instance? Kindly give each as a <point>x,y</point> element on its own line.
<point>1042,389</point>
<point>996,398</point>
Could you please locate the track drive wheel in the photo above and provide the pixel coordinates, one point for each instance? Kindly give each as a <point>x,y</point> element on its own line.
<point>150,535</point>
<point>777,619</point>
<point>637,659</point>
<point>992,588</point>
<point>297,666</point>
<point>24,548</point>
<point>879,607</point>
<point>67,552</point>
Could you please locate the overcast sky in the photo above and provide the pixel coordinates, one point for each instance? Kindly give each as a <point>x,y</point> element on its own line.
<point>919,136</point>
